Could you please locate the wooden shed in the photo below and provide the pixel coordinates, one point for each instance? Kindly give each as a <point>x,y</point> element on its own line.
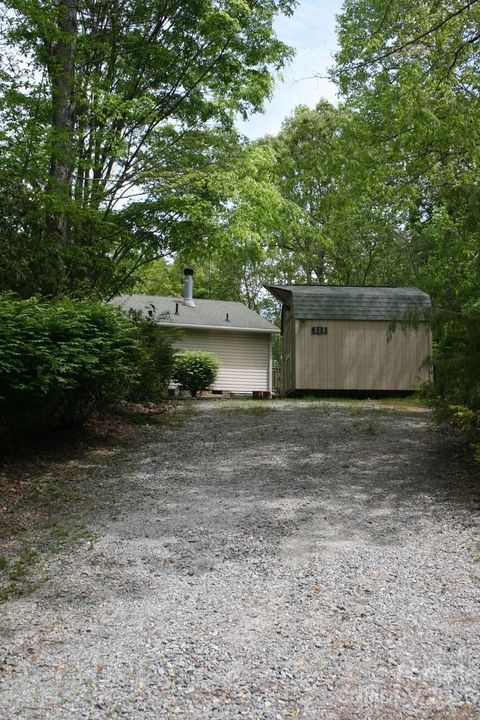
<point>337,338</point>
<point>239,337</point>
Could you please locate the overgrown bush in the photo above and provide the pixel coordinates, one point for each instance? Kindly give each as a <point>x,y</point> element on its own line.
<point>455,390</point>
<point>155,366</point>
<point>195,370</point>
<point>61,360</point>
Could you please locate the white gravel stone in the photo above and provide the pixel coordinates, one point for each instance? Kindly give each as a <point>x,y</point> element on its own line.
<point>262,560</point>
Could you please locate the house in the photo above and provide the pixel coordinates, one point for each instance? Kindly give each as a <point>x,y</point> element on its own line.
<point>337,338</point>
<point>239,337</point>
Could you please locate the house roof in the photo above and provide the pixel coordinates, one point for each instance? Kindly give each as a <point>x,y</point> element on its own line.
<point>331,302</point>
<point>207,314</point>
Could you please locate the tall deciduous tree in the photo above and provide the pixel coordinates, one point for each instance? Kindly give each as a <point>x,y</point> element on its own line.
<point>234,259</point>
<point>411,71</point>
<point>335,220</point>
<point>105,95</point>
<point>59,55</point>
<point>329,233</point>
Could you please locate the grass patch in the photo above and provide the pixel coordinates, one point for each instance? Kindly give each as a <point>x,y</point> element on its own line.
<point>320,399</point>
<point>22,566</point>
<point>256,409</point>
<point>46,490</point>
<point>410,401</point>
<point>245,405</point>
<point>17,572</point>
<point>64,534</point>
<point>403,402</point>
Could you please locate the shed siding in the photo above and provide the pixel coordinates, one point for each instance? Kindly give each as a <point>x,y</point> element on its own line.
<point>356,355</point>
<point>244,358</point>
<point>288,351</point>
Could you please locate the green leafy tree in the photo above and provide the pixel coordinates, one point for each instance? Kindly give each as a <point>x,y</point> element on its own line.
<point>411,72</point>
<point>234,260</point>
<point>331,187</point>
<point>156,361</point>
<point>113,102</point>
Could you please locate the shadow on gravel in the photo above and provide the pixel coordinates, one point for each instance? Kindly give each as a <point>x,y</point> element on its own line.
<point>228,485</point>
<point>237,483</point>
<point>320,560</point>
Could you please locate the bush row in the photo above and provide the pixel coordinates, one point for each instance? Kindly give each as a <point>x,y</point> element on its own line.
<point>62,360</point>
<point>455,390</point>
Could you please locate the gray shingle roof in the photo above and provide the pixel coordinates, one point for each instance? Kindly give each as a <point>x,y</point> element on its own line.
<point>329,302</point>
<point>205,314</point>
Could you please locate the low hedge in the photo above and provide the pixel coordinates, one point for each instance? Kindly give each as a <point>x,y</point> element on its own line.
<point>62,360</point>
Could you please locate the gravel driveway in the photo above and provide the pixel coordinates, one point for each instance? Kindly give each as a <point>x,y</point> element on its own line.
<point>265,561</point>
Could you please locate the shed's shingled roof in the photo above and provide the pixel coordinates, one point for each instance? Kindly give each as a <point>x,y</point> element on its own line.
<point>330,302</point>
<point>206,313</point>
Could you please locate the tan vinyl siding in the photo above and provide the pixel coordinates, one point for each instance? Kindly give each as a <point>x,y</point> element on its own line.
<point>244,358</point>
<point>356,355</point>
<point>288,351</point>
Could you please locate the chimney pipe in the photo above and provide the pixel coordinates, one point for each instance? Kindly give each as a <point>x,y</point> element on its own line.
<point>188,287</point>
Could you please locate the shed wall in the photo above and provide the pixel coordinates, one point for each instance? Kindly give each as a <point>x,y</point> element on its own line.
<point>356,355</point>
<point>244,357</point>
<point>288,340</point>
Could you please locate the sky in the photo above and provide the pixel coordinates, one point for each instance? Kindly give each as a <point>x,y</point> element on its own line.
<point>311,32</point>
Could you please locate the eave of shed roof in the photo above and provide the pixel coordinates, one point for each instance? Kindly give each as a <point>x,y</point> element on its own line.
<point>329,302</point>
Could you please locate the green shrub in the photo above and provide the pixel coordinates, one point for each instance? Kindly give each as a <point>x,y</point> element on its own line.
<point>155,366</point>
<point>455,390</point>
<point>195,370</point>
<point>61,360</point>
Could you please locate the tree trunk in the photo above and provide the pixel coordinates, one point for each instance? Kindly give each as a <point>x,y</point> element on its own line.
<point>62,78</point>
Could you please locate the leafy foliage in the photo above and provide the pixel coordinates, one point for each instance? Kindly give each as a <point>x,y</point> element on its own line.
<point>309,205</point>
<point>455,391</point>
<point>195,370</point>
<point>410,71</point>
<point>109,125</point>
<point>235,260</point>
<point>60,361</point>
<point>156,361</point>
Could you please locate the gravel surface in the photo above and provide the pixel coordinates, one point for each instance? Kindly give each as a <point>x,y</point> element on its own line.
<point>266,561</point>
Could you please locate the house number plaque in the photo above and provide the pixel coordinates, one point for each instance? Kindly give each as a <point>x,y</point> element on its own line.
<point>319,330</point>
